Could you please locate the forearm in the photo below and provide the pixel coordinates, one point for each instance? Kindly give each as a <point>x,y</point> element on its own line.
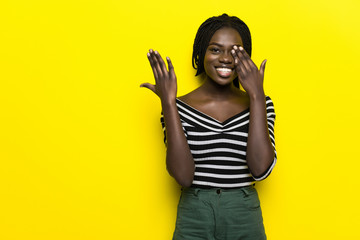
<point>260,152</point>
<point>179,161</point>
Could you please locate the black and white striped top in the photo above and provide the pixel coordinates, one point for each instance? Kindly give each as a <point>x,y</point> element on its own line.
<point>219,148</point>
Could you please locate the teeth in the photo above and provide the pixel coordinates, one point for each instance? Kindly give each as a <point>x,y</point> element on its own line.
<point>224,69</point>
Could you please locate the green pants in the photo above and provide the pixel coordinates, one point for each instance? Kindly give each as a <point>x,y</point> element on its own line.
<point>219,214</point>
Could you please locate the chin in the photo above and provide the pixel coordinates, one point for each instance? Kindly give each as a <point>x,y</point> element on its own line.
<point>219,80</point>
<point>224,81</point>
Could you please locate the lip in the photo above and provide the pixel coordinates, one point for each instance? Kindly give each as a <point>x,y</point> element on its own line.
<point>224,71</point>
<point>225,66</point>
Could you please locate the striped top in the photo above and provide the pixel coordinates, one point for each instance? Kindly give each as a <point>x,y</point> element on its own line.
<point>219,148</point>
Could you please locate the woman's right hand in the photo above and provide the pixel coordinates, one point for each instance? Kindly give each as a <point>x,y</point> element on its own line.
<point>165,80</point>
<point>179,161</point>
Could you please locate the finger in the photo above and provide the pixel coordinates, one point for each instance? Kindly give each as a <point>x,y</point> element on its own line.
<point>157,64</point>
<point>247,58</point>
<point>161,63</point>
<point>171,68</point>
<point>149,86</point>
<point>262,68</point>
<point>239,66</point>
<point>243,59</point>
<point>152,63</point>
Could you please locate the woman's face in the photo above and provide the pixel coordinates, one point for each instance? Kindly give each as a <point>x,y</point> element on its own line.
<point>218,61</point>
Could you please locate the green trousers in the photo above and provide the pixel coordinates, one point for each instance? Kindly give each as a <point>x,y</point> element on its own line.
<point>219,214</point>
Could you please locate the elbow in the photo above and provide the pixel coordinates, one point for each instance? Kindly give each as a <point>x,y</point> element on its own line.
<point>184,178</point>
<point>262,171</point>
<point>261,175</point>
<point>185,182</point>
<point>182,169</point>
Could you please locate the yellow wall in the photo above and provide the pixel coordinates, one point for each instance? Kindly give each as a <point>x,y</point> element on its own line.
<point>81,151</point>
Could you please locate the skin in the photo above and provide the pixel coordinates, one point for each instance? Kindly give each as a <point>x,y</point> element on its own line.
<point>216,97</point>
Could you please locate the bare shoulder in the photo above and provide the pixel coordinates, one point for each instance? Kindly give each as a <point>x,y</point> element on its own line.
<point>202,99</point>
<point>192,98</point>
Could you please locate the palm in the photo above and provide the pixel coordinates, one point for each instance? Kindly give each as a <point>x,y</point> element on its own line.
<point>165,79</point>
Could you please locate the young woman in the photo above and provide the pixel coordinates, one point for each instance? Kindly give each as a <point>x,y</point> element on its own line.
<point>220,139</point>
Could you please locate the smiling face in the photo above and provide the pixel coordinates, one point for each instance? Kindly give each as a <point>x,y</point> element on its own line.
<point>218,61</point>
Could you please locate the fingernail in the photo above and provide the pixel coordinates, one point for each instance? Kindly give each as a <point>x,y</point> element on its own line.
<point>241,48</point>
<point>235,47</point>
<point>156,52</point>
<point>168,58</point>
<point>148,54</point>
<point>233,51</point>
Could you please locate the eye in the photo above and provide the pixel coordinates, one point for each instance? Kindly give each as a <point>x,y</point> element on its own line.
<point>214,50</point>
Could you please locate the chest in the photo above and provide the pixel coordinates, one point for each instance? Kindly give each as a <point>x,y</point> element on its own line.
<point>221,112</point>
<point>194,120</point>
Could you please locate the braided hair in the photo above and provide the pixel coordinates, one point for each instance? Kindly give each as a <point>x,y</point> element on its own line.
<point>207,30</point>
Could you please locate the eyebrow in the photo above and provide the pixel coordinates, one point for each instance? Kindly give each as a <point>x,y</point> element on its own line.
<point>220,45</point>
<point>214,43</point>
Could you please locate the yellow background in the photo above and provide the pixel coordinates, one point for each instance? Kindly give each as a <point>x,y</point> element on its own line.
<point>81,151</point>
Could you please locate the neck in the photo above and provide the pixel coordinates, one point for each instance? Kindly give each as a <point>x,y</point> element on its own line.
<point>218,92</point>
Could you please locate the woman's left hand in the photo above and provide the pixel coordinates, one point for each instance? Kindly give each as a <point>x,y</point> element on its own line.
<point>250,77</point>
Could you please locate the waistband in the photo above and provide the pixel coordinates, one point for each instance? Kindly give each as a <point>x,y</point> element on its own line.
<point>194,190</point>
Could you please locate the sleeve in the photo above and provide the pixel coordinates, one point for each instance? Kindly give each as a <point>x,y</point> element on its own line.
<point>270,114</point>
<point>164,127</point>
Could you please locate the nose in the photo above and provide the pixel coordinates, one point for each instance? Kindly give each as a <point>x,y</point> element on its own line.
<point>226,57</point>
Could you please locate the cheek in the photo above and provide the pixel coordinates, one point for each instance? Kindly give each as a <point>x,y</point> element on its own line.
<point>209,57</point>
<point>207,68</point>
<point>208,61</point>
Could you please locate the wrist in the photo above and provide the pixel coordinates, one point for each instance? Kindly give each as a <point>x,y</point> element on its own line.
<point>168,102</point>
<point>260,95</point>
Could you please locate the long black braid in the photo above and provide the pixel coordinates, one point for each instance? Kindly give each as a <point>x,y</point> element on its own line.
<point>207,30</point>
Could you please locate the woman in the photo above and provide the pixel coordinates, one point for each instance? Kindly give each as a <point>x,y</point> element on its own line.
<point>219,139</point>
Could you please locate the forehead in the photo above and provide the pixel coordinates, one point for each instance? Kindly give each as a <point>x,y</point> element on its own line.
<point>226,36</point>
